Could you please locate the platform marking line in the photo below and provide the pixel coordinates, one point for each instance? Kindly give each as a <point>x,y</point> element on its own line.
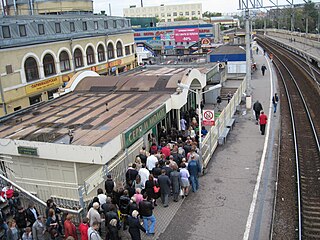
<point>257,186</point>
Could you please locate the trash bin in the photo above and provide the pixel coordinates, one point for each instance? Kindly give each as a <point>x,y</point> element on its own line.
<point>248,102</point>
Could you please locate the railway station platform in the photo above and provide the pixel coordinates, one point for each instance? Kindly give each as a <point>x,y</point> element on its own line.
<point>298,43</point>
<point>236,195</point>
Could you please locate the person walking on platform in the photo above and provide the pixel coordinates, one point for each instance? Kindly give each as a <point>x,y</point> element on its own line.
<point>263,122</point>
<point>194,169</point>
<point>257,108</point>
<point>145,208</point>
<point>263,69</point>
<point>275,100</point>
<point>164,183</point>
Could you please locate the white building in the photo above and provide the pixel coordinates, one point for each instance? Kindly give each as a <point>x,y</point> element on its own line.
<point>166,13</point>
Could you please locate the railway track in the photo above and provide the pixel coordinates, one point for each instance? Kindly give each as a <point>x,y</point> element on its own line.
<point>301,94</point>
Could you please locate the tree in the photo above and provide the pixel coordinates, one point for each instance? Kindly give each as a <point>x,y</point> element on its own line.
<point>181,18</point>
<point>211,14</point>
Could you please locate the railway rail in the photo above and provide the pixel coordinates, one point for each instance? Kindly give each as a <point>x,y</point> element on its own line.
<point>302,95</point>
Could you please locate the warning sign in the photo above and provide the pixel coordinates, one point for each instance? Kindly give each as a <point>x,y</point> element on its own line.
<point>208,118</point>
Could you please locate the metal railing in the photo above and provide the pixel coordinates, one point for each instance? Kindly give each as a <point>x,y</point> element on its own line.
<point>26,197</point>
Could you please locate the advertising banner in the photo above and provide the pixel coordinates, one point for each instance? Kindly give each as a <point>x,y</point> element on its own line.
<point>186,35</point>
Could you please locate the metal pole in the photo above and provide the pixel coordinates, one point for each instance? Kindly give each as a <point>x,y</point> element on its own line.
<point>199,124</point>
<point>15,7</point>
<point>248,57</point>
<point>109,9</point>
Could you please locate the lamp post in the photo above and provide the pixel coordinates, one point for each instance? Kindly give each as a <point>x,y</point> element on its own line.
<point>199,93</point>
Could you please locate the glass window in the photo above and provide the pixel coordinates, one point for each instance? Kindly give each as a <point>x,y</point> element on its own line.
<point>127,50</point>
<point>180,13</point>
<point>41,29</point>
<point>35,99</point>
<point>31,69</point>
<point>48,65</point>
<point>174,14</point>
<point>193,12</point>
<point>72,28</point>
<point>90,56</point>
<point>78,59</point>
<point>101,55</point>
<point>96,26</point>
<point>58,27</point>
<point>163,15</point>
<point>22,30</point>
<point>84,26</point>
<point>132,48</point>
<point>64,61</point>
<point>168,14</point>
<point>199,13</point>
<point>187,13</point>
<point>114,23</point>
<point>110,51</point>
<point>106,24</point>
<point>6,32</point>
<point>119,49</point>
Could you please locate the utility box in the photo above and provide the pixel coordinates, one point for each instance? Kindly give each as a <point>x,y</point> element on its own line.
<point>248,102</point>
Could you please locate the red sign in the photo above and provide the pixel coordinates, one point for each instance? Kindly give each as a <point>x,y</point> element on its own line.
<point>186,35</point>
<point>208,118</point>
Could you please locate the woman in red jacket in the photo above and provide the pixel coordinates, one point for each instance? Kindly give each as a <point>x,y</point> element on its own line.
<point>70,228</point>
<point>83,229</point>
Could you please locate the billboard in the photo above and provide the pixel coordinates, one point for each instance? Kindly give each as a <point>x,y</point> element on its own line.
<point>186,35</point>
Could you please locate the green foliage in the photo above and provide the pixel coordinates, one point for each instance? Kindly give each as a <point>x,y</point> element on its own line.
<point>211,14</point>
<point>181,18</point>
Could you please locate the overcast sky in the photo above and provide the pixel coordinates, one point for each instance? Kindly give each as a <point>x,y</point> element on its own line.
<point>210,5</point>
<point>223,6</point>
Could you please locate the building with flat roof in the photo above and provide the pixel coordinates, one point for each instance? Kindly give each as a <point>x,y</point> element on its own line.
<point>166,13</point>
<point>39,54</point>
<point>109,119</point>
<point>35,7</point>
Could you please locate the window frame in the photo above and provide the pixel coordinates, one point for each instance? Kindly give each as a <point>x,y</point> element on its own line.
<point>84,26</point>
<point>64,62</point>
<point>72,27</point>
<point>22,30</point>
<point>57,27</point>
<point>49,67</point>
<point>6,34</point>
<point>41,30</point>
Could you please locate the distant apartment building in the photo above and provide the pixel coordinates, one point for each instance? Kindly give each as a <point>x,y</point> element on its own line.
<point>166,13</point>
<point>30,7</point>
<point>39,54</point>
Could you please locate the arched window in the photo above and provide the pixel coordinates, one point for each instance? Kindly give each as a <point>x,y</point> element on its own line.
<point>64,61</point>
<point>90,56</point>
<point>78,59</point>
<point>101,55</point>
<point>49,65</point>
<point>110,51</point>
<point>119,49</point>
<point>31,69</point>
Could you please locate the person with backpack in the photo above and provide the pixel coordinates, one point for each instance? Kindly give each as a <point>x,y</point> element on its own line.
<point>93,233</point>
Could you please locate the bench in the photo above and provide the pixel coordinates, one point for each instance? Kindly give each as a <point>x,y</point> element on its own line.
<point>230,123</point>
<point>223,137</point>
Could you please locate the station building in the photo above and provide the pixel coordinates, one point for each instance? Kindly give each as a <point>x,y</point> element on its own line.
<point>35,7</point>
<point>178,37</point>
<point>166,13</point>
<point>39,54</point>
<point>110,117</point>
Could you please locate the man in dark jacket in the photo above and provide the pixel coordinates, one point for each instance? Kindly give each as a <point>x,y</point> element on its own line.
<point>131,174</point>
<point>32,214</point>
<point>257,108</point>
<point>146,208</point>
<point>135,226</point>
<point>109,186</point>
<point>164,183</point>
<point>124,207</point>
<point>21,220</point>
<point>194,169</point>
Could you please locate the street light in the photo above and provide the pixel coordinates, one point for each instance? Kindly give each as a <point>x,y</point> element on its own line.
<point>199,94</point>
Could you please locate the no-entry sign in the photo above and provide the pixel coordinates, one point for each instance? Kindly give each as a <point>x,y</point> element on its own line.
<point>208,118</point>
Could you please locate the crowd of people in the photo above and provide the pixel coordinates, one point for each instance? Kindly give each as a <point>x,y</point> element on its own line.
<point>168,169</point>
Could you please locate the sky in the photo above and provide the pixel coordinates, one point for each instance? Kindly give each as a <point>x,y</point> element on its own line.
<point>207,5</point>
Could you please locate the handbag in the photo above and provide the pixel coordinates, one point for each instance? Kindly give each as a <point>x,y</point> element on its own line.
<point>156,189</point>
<point>181,192</point>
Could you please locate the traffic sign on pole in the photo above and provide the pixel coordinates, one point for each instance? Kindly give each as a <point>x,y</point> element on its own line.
<point>208,118</point>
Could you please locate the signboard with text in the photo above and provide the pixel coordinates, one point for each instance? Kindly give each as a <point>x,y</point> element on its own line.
<point>208,118</point>
<point>186,35</point>
<point>137,131</point>
<point>43,85</point>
